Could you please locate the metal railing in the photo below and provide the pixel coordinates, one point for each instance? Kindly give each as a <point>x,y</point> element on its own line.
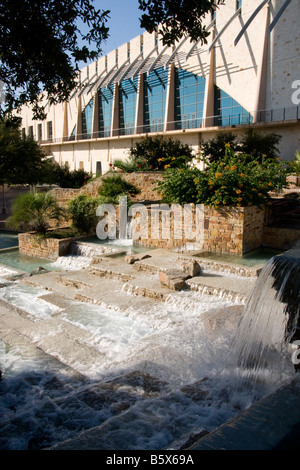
<point>263,116</point>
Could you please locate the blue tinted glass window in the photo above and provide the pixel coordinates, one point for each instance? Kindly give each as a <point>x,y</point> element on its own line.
<point>105,102</point>
<point>189,99</point>
<point>73,134</point>
<point>127,105</point>
<point>229,112</point>
<point>155,90</point>
<point>87,120</point>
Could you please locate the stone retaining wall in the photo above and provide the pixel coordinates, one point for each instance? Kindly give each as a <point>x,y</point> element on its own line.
<point>31,244</point>
<point>145,182</point>
<point>280,238</point>
<point>235,230</point>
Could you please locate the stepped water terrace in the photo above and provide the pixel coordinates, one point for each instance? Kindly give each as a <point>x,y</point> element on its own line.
<point>96,353</point>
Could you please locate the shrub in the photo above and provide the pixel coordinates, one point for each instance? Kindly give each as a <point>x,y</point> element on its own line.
<point>66,178</point>
<point>157,153</point>
<point>230,182</point>
<point>254,145</point>
<point>115,186</point>
<point>296,163</point>
<point>33,211</point>
<point>82,210</point>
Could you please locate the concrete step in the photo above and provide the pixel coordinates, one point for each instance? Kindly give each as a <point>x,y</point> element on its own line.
<point>70,344</point>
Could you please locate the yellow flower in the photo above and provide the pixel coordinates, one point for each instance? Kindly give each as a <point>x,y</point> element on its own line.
<point>242,175</point>
<point>211,183</point>
<point>233,167</point>
<point>173,158</point>
<point>227,145</point>
<point>270,184</point>
<point>217,175</point>
<point>196,181</point>
<point>238,191</point>
<point>211,187</point>
<point>240,199</point>
<point>239,205</point>
<point>167,166</point>
<point>227,167</point>
<point>253,189</point>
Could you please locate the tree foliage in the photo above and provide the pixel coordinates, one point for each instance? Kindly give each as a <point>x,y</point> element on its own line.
<point>175,18</point>
<point>41,45</point>
<point>22,160</point>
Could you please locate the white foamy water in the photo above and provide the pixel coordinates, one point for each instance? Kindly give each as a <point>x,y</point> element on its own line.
<point>27,298</point>
<point>161,372</point>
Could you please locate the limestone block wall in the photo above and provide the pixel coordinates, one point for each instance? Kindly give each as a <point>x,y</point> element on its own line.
<point>145,182</point>
<point>31,244</point>
<point>227,230</point>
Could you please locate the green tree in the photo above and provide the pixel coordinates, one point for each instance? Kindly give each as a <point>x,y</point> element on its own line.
<point>175,18</point>
<point>41,45</point>
<point>33,211</point>
<point>22,160</point>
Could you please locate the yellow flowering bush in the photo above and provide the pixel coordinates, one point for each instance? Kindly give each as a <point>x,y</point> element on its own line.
<point>234,181</point>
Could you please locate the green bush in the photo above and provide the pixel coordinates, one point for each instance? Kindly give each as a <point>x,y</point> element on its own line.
<point>66,178</point>
<point>230,182</point>
<point>33,211</point>
<point>114,186</point>
<point>254,145</point>
<point>82,210</point>
<point>157,153</point>
<point>296,163</point>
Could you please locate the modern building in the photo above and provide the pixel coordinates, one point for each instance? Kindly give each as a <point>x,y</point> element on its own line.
<point>247,75</point>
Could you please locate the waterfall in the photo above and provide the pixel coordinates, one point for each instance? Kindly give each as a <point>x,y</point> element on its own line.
<point>270,323</point>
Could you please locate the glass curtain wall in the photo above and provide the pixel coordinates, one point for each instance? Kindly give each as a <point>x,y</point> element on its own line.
<point>127,105</point>
<point>155,91</point>
<point>229,112</point>
<point>105,102</point>
<point>189,99</point>
<point>87,120</point>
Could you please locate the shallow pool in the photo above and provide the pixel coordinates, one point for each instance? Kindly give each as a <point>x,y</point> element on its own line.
<point>8,240</point>
<point>253,258</point>
<point>16,260</point>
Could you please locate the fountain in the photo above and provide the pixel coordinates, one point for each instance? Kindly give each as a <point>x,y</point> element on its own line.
<point>270,325</point>
<point>152,374</point>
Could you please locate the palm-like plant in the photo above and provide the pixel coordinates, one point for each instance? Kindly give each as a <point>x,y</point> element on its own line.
<point>33,211</point>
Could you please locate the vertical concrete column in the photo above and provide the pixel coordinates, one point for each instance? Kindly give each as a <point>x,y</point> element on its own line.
<point>115,112</point>
<point>209,97</point>
<point>139,112</point>
<point>261,91</point>
<point>79,119</point>
<point>65,135</point>
<point>169,123</point>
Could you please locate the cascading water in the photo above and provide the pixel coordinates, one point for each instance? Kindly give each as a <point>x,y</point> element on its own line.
<point>270,323</point>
